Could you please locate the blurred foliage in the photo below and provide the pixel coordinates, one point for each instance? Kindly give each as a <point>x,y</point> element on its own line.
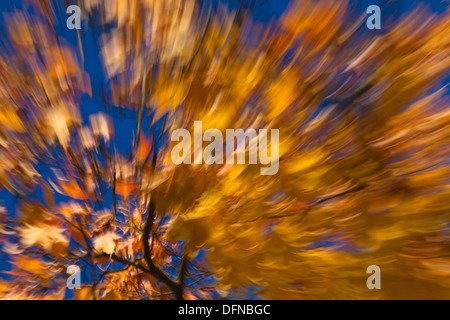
<point>364,151</point>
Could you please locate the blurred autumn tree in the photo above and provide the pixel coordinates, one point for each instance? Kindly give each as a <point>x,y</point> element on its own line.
<point>364,151</point>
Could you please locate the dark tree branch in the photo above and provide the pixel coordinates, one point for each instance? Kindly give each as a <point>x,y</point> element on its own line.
<point>183,272</point>
<point>155,270</point>
<point>312,206</point>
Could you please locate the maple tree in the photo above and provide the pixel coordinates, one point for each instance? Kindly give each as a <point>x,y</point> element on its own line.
<point>364,148</point>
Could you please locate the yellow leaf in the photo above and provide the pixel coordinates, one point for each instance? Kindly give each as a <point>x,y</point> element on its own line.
<point>106,243</point>
<point>10,119</point>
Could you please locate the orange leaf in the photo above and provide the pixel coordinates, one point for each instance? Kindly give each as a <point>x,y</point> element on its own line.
<point>73,190</point>
<point>125,189</point>
<point>143,149</point>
